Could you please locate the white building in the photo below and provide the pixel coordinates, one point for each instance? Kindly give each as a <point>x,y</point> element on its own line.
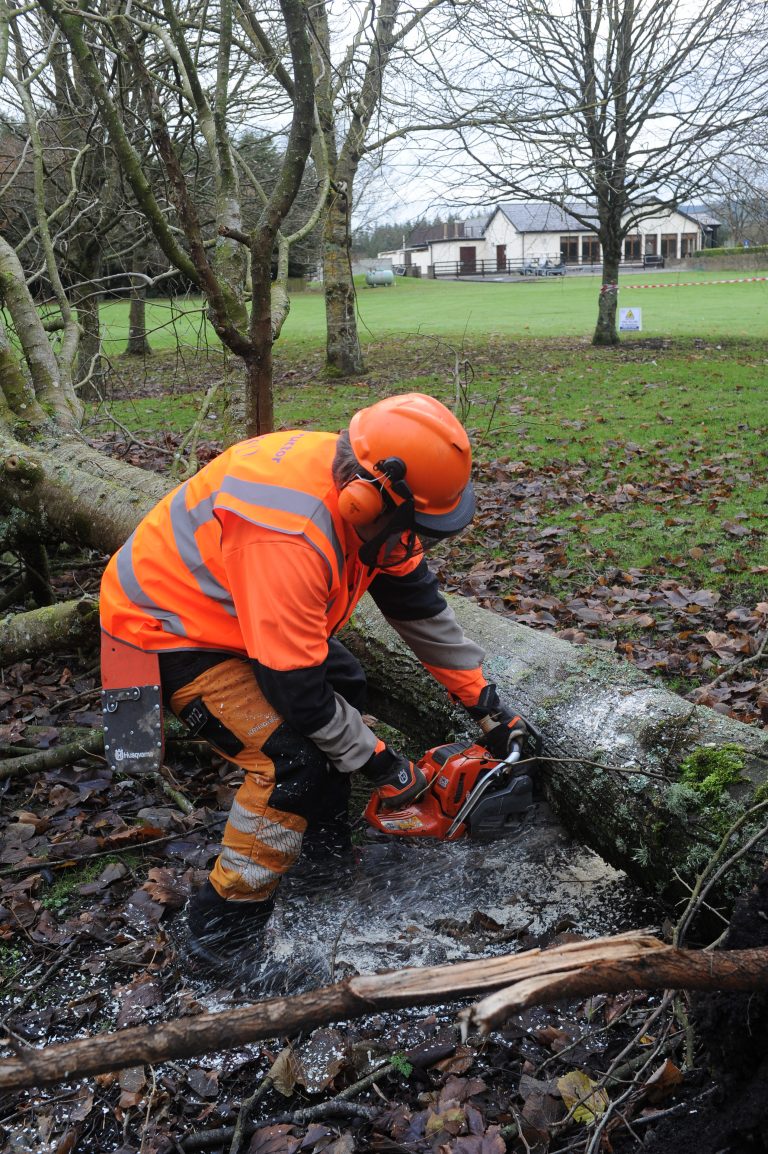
<point>514,237</point>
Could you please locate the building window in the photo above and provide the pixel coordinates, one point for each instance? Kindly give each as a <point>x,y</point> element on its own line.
<point>569,249</point>
<point>590,250</point>
<point>688,244</point>
<point>650,244</point>
<point>632,248</point>
<point>669,245</point>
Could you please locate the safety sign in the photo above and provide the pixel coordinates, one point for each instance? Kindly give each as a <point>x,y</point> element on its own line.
<point>630,320</point>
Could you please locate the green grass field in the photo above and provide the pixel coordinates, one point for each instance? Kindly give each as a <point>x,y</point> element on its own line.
<point>650,458</point>
<point>560,306</point>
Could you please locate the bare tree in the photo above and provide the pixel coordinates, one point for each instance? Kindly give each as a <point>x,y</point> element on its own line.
<point>182,79</point>
<point>739,196</point>
<point>189,68</point>
<point>361,55</point>
<point>614,109</point>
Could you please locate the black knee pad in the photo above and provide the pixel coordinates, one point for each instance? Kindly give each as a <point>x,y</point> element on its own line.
<point>301,771</point>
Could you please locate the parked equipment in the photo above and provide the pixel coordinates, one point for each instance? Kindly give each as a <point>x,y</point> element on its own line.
<point>470,793</point>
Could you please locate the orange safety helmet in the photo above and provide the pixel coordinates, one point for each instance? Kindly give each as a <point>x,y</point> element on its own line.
<point>414,452</point>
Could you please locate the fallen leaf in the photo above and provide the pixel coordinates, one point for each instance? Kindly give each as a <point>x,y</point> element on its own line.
<point>284,1072</point>
<point>277,1139</point>
<point>580,1095</point>
<point>205,1083</point>
<point>663,1081</point>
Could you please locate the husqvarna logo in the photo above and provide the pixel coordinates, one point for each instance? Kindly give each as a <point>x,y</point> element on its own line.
<point>403,777</point>
<point>131,755</point>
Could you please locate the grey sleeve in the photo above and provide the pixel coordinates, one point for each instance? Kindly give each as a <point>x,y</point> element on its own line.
<point>346,740</point>
<point>440,641</point>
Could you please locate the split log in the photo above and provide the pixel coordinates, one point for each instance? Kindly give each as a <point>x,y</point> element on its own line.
<point>614,743</point>
<point>624,962</point>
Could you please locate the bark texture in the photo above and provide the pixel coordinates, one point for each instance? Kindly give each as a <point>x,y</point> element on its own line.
<point>614,741</point>
<point>74,492</point>
<point>54,627</point>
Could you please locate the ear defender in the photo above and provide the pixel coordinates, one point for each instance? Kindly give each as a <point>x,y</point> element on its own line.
<point>363,500</point>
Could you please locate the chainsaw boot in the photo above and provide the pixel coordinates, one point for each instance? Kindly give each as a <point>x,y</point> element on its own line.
<point>326,860</point>
<point>328,841</point>
<point>396,780</point>
<point>225,936</point>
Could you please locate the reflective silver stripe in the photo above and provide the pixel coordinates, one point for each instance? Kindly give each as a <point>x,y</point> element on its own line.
<point>184,522</point>
<point>255,876</point>
<point>440,641</point>
<point>129,582</point>
<point>268,832</point>
<point>288,501</point>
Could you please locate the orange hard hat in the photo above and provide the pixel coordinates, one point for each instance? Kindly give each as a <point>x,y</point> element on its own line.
<point>434,449</point>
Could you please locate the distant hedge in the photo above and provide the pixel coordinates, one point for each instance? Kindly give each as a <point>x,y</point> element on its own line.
<point>738,251</point>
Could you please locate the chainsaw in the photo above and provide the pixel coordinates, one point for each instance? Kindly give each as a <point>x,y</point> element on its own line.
<point>469,793</point>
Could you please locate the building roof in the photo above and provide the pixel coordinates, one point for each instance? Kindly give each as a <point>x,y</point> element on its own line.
<point>450,230</point>
<point>701,214</point>
<point>538,216</point>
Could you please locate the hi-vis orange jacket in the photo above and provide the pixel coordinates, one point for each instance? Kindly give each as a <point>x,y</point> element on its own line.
<point>251,557</point>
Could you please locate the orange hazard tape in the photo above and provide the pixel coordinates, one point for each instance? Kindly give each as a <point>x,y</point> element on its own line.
<point>690,283</point>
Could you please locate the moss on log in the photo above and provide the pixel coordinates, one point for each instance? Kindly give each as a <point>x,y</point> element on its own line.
<point>75,493</point>
<point>643,777</point>
<point>68,625</point>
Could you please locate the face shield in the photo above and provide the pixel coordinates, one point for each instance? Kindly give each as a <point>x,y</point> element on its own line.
<point>407,533</point>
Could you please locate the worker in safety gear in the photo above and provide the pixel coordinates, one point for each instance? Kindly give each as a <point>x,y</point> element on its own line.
<point>240,579</point>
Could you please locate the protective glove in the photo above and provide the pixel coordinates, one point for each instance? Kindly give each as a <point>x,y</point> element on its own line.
<point>396,780</point>
<point>501,727</point>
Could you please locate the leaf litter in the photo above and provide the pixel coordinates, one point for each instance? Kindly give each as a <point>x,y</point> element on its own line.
<point>95,871</point>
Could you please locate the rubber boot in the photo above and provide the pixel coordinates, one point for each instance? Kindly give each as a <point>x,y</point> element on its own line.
<point>225,936</point>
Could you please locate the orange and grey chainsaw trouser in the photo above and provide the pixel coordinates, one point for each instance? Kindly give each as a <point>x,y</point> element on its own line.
<point>289,784</point>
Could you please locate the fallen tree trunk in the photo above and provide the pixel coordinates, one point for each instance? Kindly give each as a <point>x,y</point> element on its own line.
<point>614,742</point>
<point>74,492</point>
<point>624,962</point>
<point>68,625</point>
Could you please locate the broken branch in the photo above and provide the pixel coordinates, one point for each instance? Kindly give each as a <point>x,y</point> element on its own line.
<point>628,961</point>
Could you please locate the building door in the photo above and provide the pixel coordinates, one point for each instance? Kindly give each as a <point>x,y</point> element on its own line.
<point>467,259</point>
<point>501,258</point>
<point>569,249</point>
<point>632,248</point>
<point>669,245</point>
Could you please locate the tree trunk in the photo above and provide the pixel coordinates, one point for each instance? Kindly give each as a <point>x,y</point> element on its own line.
<point>614,743</point>
<point>90,363</point>
<point>138,342</point>
<point>606,331</point>
<point>343,354</point>
<point>76,493</point>
<point>259,407</point>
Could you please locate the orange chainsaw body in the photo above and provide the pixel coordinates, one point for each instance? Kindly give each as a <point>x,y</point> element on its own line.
<point>453,772</point>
